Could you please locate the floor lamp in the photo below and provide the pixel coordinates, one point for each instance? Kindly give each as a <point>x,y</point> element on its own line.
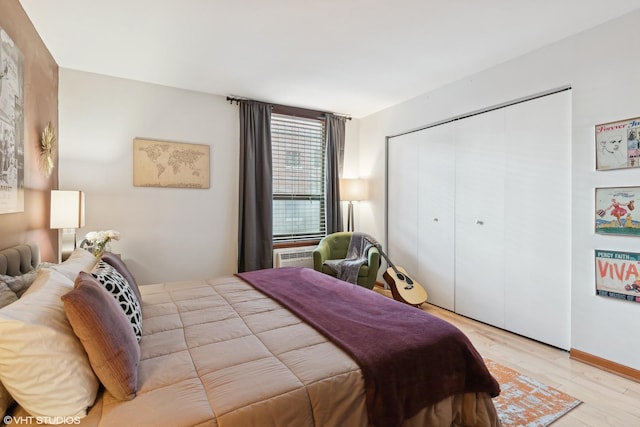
<point>67,213</point>
<point>353,190</point>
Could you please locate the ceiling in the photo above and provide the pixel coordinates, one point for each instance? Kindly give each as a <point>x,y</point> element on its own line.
<point>351,57</point>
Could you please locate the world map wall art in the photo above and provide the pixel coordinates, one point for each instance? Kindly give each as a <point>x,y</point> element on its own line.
<point>170,164</point>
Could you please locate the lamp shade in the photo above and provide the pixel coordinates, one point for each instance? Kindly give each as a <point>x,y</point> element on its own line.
<point>67,209</point>
<point>354,189</point>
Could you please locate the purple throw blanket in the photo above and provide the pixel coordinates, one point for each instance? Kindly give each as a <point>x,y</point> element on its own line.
<point>409,358</point>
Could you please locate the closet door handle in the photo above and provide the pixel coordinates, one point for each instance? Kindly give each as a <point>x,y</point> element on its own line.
<point>479,222</point>
<point>435,219</point>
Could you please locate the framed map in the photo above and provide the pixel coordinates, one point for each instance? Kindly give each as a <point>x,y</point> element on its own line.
<point>170,164</point>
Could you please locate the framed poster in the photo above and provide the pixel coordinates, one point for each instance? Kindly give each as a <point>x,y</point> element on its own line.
<point>170,164</point>
<point>618,275</point>
<point>618,144</point>
<point>11,127</point>
<point>615,211</point>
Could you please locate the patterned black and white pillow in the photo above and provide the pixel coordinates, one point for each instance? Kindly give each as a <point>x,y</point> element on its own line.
<point>122,292</point>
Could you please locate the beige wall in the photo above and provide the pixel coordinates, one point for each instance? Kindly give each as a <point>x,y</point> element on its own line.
<point>40,107</point>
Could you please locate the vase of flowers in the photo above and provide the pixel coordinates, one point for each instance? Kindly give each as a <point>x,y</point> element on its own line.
<point>97,242</point>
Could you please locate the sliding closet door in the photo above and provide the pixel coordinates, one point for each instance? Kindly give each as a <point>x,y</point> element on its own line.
<point>479,213</point>
<point>402,201</point>
<point>537,219</point>
<point>436,210</point>
<point>479,229</point>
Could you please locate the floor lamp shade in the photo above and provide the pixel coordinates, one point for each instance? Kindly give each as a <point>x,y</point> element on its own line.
<point>67,213</point>
<point>353,190</point>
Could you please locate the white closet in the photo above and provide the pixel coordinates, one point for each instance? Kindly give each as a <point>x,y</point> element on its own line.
<point>478,212</point>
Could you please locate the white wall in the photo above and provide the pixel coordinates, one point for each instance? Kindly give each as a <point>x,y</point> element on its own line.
<point>351,169</point>
<point>166,234</point>
<point>602,69</point>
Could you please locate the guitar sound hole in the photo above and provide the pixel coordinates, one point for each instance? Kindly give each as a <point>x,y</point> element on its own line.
<point>400,276</point>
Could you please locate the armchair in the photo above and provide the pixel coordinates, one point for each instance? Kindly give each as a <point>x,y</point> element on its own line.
<point>335,246</point>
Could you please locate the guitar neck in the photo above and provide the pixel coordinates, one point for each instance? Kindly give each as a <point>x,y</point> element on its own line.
<point>386,258</point>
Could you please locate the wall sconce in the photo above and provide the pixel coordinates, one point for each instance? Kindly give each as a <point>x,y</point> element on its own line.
<point>48,152</point>
<point>67,213</point>
<point>353,190</point>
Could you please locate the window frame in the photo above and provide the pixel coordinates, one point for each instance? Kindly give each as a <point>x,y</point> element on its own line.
<point>303,239</point>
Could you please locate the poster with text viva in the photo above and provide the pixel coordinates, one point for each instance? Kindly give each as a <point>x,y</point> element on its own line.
<point>618,274</point>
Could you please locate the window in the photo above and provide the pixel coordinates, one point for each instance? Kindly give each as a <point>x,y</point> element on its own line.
<point>298,178</point>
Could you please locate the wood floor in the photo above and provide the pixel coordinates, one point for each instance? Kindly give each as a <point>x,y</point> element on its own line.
<point>608,399</point>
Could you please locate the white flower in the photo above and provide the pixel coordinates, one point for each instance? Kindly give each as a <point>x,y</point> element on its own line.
<point>98,240</point>
<point>112,234</point>
<point>102,236</point>
<point>92,236</point>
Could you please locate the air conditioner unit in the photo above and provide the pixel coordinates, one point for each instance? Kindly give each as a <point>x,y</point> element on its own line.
<point>301,256</point>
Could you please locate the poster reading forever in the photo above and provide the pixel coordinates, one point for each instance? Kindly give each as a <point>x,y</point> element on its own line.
<point>11,127</point>
<point>618,275</point>
<point>618,145</point>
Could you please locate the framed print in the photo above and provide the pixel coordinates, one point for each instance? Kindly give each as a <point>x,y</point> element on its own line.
<point>615,211</point>
<point>618,144</point>
<point>170,164</point>
<point>11,126</point>
<point>618,275</point>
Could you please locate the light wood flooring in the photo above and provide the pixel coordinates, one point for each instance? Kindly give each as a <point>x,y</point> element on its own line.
<point>608,399</point>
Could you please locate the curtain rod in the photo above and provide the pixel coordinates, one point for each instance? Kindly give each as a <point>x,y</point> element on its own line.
<point>232,99</point>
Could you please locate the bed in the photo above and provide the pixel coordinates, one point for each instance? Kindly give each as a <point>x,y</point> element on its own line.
<point>226,352</point>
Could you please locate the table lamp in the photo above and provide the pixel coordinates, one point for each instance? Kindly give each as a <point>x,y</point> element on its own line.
<point>67,213</point>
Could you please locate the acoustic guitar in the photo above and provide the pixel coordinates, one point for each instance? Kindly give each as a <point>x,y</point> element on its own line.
<point>403,287</point>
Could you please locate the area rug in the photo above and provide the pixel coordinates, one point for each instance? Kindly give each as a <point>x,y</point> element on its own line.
<point>524,401</point>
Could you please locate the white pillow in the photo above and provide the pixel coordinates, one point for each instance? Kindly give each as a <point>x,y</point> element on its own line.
<point>42,363</point>
<point>79,260</point>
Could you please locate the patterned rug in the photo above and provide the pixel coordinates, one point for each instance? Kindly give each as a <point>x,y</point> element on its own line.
<point>524,401</point>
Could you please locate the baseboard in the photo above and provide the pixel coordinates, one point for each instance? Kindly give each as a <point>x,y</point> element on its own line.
<point>604,364</point>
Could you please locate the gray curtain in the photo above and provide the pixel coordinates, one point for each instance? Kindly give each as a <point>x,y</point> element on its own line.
<point>255,222</point>
<point>335,156</point>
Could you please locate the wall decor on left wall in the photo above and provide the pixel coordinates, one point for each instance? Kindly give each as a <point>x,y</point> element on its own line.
<point>48,151</point>
<point>11,126</point>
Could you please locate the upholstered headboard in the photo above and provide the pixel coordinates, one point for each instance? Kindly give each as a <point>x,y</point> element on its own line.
<point>19,259</point>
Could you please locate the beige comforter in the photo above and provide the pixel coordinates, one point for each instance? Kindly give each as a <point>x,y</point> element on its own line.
<point>220,353</point>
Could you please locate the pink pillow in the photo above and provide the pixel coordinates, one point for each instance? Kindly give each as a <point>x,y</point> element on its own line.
<point>106,335</point>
